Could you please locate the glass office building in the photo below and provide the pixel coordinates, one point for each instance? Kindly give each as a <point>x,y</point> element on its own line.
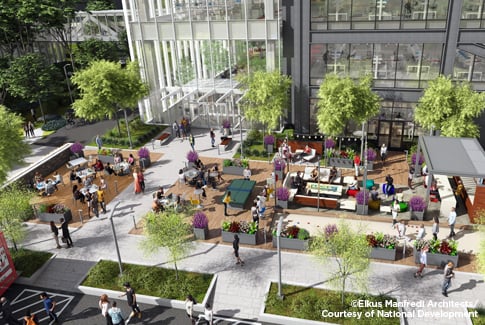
<point>191,51</point>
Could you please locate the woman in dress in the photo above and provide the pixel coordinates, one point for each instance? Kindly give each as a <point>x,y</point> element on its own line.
<point>141,180</point>
<point>136,182</point>
<point>104,306</point>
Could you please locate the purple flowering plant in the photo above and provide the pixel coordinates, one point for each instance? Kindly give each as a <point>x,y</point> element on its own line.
<point>144,153</point>
<point>362,197</point>
<point>371,154</point>
<point>421,159</point>
<point>192,156</point>
<point>268,140</point>
<point>279,164</point>
<point>77,147</point>
<point>330,230</point>
<point>200,220</point>
<point>329,143</point>
<point>417,203</point>
<point>226,124</point>
<point>282,194</point>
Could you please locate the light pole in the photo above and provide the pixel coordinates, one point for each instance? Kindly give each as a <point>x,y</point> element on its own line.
<point>240,130</point>
<point>67,81</point>
<point>318,198</point>
<point>114,236</point>
<point>278,236</point>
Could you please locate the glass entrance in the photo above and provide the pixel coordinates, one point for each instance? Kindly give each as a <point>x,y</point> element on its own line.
<point>391,133</point>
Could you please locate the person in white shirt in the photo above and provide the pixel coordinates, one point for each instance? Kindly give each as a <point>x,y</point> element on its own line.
<point>383,152</point>
<point>423,260</point>
<point>436,228</point>
<point>452,221</point>
<point>401,229</point>
<point>209,314</point>
<point>421,232</point>
<point>247,173</point>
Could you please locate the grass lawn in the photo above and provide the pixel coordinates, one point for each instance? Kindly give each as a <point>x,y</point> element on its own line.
<point>480,320</point>
<point>149,280</point>
<point>310,303</point>
<point>27,261</point>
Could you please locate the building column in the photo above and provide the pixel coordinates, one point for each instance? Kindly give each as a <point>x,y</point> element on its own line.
<point>452,32</point>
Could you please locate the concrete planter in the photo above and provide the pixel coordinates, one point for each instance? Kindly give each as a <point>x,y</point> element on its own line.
<point>107,159</point>
<point>362,209</point>
<point>145,162</point>
<point>282,204</point>
<point>383,253</point>
<point>247,239</point>
<point>233,170</point>
<point>417,215</point>
<point>33,278</point>
<point>341,162</point>
<point>48,217</point>
<point>292,243</point>
<point>436,259</point>
<point>280,174</point>
<point>269,148</point>
<point>201,233</point>
<point>370,165</point>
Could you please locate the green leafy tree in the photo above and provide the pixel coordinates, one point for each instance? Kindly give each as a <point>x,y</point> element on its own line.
<point>450,108</point>
<point>94,5</point>
<point>12,147</point>
<point>15,203</point>
<point>350,251</point>
<point>341,100</point>
<point>480,226</point>
<point>95,50</point>
<point>168,229</point>
<point>105,88</point>
<point>266,98</point>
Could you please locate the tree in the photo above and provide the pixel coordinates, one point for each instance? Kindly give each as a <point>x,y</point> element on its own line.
<point>15,203</point>
<point>349,250</point>
<point>105,88</point>
<point>266,98</point>
<point>342,100</point>
<point>168,229</point>
<point>94,5</point>
<point>12,147</point>
<point>480,226</point>
<point>450,108</point>
<point>95,50</point>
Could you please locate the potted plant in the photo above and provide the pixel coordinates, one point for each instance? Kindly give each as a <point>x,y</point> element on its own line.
<point>77,149</point>
<point>413,159</point>
<point>362,199</point>
<point>440,251</point>
<point>200,224</point>
<point>235,166</point>
<point>106,155</point>
<point>53,212</point>
<point>343,159</point>
<point>292,237</point>
<point>279,167</point>
<point>226,124</point>
<point>418,206</point>
<point>282,196</point>
<point>144,157</point>
<point>246,231</point>
<point>371,155</point>
<point>192,157</point>
<point>382,246</point>
<point>269,142</point>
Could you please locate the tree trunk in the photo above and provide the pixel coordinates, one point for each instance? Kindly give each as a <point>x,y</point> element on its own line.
<point>118,125</point>
<point>176,270</point>
<point>41,110</point>
<point>343,291</point>
<point>15,246</point>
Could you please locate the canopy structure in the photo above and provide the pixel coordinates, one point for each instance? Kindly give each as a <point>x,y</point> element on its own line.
<point>453,156</point>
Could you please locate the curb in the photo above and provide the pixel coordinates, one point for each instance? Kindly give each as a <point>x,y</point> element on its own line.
<point>31,280</point>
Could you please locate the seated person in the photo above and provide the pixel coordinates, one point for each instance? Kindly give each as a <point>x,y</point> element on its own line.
<point>261,206</point>
<point>421,232</point>
<point>73,177</point>
<point>118,158</point>
<point>160,194</point>
<point>88,181</point>
<point>77,194</point>
<point>400,195</point>
<point>131,160</point>
<point>293,183</point>
<point>307,150</point>
<point>219,174</point>
<point>333,175</point>
<point>57,178</point>
<point>264,191</point>
<point>109,169</point>
<point>98,166</point>
<point>157,206</point>
<point>38,178</point>
<point>354,185</point>
<point>314,175</point>
<point>50,187</point>
<point>389,184</point>
<point>299,180</point>
<point>199,164</point>
<point>374,194</point>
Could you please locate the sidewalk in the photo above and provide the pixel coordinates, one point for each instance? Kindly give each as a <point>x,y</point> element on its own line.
<point>239,290</point>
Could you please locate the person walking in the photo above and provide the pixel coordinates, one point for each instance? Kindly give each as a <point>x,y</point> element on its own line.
<point>192,141</point>
<point>383,153</point>
<point>49,306</point>
<point>448,275</point>
<point>30,319</point>
<point>394,211</point>
<point>212,135</point>
<point>104,306</point>
<point>55,233</point>
<point>226,201</point>
<point>436,227</point>
<point>65,232</point>
<point>6,309</point>
<point>141,180</point>
<point>410,177</point>
<point>115,314</point>
<point>247,173</point>
<point>99,142</point>
<point>423,260</point>
<point>208,314</point>
<point>101,199</point>
<point>235,245</point>
<point>421,232</point>
<point>452,221</point>
<point>131,298</point>
<point>357,164</point>
<point>175,130</point>
<point>31,129</point>
<point>189,308</point>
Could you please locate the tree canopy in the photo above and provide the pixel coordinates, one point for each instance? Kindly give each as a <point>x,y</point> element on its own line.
<point>266,98</point>
<point>450,108</point>
<point>342,100</point>
<point>105,88</point>
<point>12,147</point>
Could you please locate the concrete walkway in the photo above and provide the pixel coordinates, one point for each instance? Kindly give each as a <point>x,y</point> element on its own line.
<point>240,291</point>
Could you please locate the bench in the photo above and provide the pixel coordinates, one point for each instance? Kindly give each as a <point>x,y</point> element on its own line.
<point>325,203</point>
<point>224,144</point>
<point>163,138</point>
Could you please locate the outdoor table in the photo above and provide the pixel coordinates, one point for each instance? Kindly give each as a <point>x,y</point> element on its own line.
<point>40,186</point>
<point>92,189</point>
<point>240,192</point>
<point>85,172</point>
<point>122,167</point>
<point>327,189</point>
<point>191,174</point>
<point>77,162</point>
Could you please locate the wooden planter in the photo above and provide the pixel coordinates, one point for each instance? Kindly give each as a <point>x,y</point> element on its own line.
<point>48,217</point>
<point>436,259</point>
<point>233,170</point>
<point>145,162</point>
<point>291,243</point>
<point>107,159</point>
<point>341,162</point>
<point>201,233</point>
<point>282,204</point>
<point>247,239</point>
<point>362,209</point>
<point>383,253</point>
<point>417,215</point>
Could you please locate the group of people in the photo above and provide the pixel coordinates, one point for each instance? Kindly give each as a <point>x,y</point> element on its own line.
<point>93,198</point>
<point>66,236</point>
<point>189,309</point>
<point>182,129</point>
<point>29,318</point>
<point>29,129</point>
<point>113,314</point>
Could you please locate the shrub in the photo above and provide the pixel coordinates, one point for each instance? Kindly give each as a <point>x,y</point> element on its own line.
<point>226,163</point>
<point>417,203</point>
<point>243,227</point>
<point>282,194</point>
<point>256,153</point>
<point>28,261</point>
<point>77,147</point>
<point>330,230</point>
<point>268,140</point>
<point>144,153</point>
<point>421,159</point>
<point>192,156</point>
<point>292,232</point>
<point>200,220</point>
<point>447,247</point>
<point>362,197</point>
<point>54,125</point>
<point>303,234</point>
<point>105,151</point>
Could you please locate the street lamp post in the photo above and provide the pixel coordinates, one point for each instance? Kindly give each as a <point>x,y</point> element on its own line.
<point>67,81</point>
<point>114,236</point>
<point>278,236</point>
<point>241,130</point>
<point>318,195</point>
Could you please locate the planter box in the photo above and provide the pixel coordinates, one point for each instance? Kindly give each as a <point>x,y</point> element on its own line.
<point>362,209</point>
<point>145,162</point>
<point>48,217</point>
<point>107,159</point>
<point>341,162</point>
<point>280,175</point>
<point>291,243</point>
<point>282,204</point>
<point>201,233</point>
<point>436,259</point>
<point>417,215</point>
<point>247,239</point>
<point>370,165</point>
<point>269,148</point>
<point>383,253</point>
<point>233,170</point>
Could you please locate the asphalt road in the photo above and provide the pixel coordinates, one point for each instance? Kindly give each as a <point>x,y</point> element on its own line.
<point>78,309</point>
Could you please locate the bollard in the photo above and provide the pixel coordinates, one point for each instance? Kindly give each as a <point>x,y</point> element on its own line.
<point>80,215</point>
<point>153,144</point>
<point>134,222</point>
<point>116,186</point>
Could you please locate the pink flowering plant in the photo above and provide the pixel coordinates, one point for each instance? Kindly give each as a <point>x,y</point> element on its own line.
<point>329,143</point>
<point>371,154</point>
<point>226,124</point>
<point>330,230</point>
<point>279,164</point>
<point>268,140</point>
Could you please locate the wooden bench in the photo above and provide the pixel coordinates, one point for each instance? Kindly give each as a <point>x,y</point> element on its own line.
<point>325,202</point>
<point>163,138</point>
<point>224,144</point>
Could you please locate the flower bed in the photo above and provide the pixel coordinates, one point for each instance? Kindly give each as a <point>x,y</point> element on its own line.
<point>383,246</point>
<point>292,238</point>
<point>235,166</point>
<point>53,212</point>
<point>200,224</point>
<point>245,230</point>
<point>440,251</point>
